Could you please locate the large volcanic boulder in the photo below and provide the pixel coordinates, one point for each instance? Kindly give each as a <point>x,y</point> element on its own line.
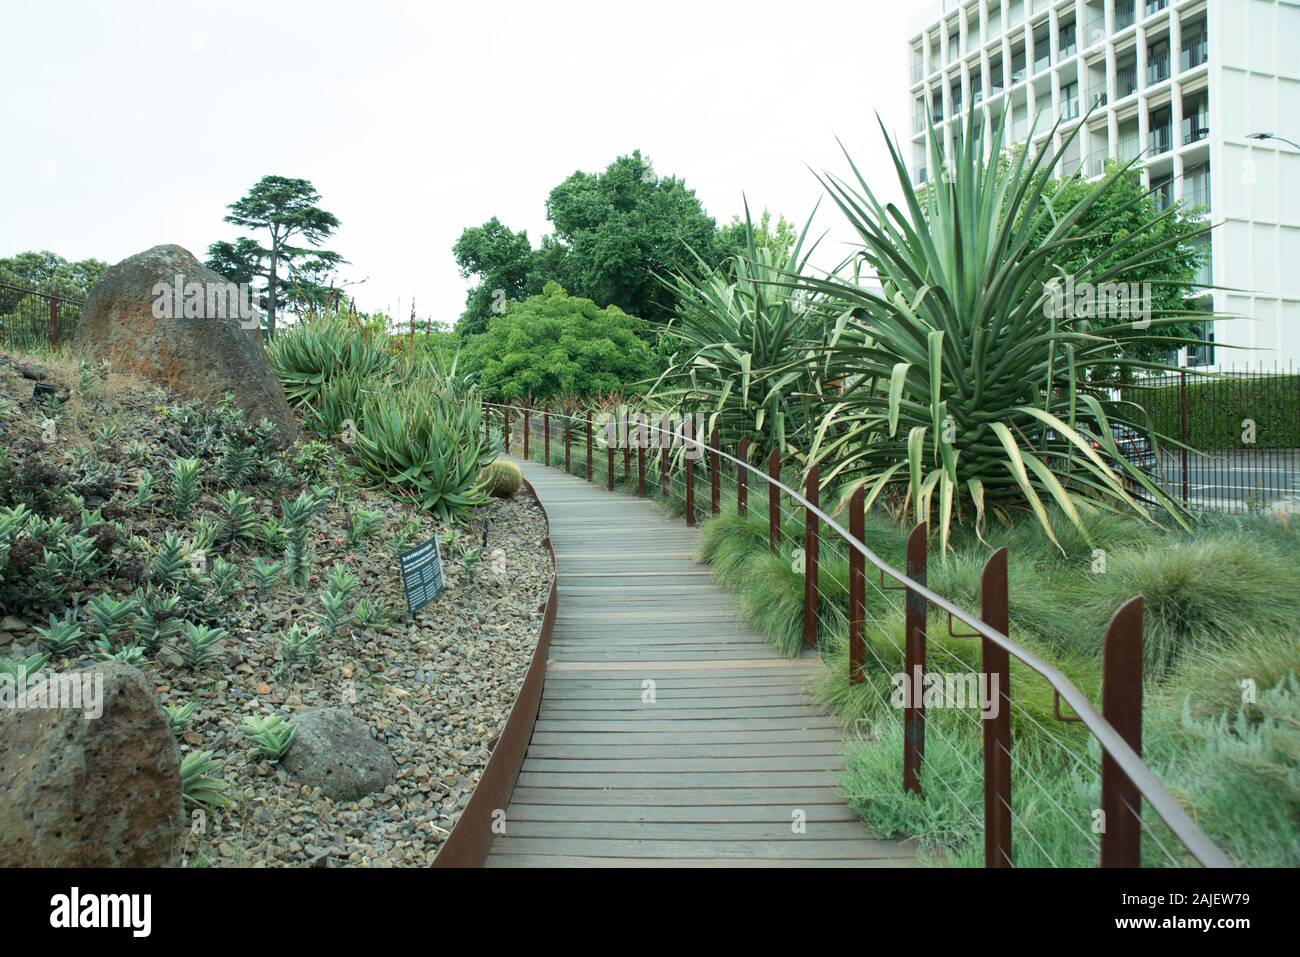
<point>78,790</point>
<point>162,315</point>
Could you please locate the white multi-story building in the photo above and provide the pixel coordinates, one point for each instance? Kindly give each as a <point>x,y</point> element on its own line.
<point>1184,85</point>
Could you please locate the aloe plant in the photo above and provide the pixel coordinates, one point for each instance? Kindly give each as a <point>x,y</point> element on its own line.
<point>272,735</point>
<point>961,379</point>
<point>307,356</point>
<point>426,445</point>
<point>199,789</point>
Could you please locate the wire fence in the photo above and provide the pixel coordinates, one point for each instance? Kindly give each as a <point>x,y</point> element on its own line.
<point>962,755</point>
<point>31,319</point>
<point>1235,437</point>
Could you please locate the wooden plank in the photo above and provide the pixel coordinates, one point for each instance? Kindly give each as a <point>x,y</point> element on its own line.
<point>596,752</point>
<point>571,725</point>
<point>790,796</point>
<point>776,830</point>
<point>703,813</point>
<point>807,849</point>
<point>568,860</point>
<point>683,765</point>
<point>672,739</point>
<point>684,779</point>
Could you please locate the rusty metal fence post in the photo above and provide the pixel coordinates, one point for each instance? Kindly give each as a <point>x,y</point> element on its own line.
<point>914,664</point>
<point>997,726</point>
<point>546,434</point>
<point>505,425</point>
<point>589,445</point>
<point>568,435</point>
<point>715,480</point>
<point>688,466</point>
<point>774,501</point>
<point>1121,705</point>
<point>526,410</point>
<point>54,321</point>
<point>811,548</point>
<point>742,478</point>
<point>857,588</point>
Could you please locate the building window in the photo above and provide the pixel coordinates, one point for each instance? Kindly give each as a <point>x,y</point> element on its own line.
<point>1125,13</point>
<point>1157,62</point>
<point>1195,49</point>
<point>1160,132</point>
<point>1126,79</point>
<point>1196,186</point>
<point>1067,40</point>
<point>1196,120</point>
<point>1162,193</point>
<point>1070,101</point>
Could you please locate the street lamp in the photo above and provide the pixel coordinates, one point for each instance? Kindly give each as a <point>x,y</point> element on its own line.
<point>1271,136</point>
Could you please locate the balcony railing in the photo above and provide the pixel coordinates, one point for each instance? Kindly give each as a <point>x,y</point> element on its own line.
<point>1160,140</point>
<point>1155,6</point>
<point>1125,14</point>
<point>1163,196</point>
<point>976,96</point>
<point>1096,30</point>
<point>936,115</point>
<point>1196,128</point>
<point>1157,69</point>
<point>918,71</point>
<point>1017,71</point>
<point>1042,63</point>
<point>1097,94</point>
<point>1097,163</point>
<point>1195,52</point>
<point>1127,148</point>
<point>918,123</point>
<point>1069,108</point>
<point>1126,81</point>
<point>921,174</point>
<point>1068,47</point>
<point>1197,193</point>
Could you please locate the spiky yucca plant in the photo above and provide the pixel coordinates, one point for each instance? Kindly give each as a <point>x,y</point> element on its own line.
<point>744,342</point>
<point>962,378</point>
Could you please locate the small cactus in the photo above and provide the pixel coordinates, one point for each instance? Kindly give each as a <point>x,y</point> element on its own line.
<point>501,479</point>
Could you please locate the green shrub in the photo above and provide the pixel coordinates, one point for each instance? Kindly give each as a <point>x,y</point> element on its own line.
<point>1200,593</point>
<point>1216,408</point>
<point>501,479</point>
<point>425,445</point>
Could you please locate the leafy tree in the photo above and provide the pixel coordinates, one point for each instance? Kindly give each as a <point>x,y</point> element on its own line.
<point>615,232</point>
<point>506,264</point>
<point>287,209</point>
<point>554,344</point>
<point>43,271</point>
<point>776,237</point>
<point>1124,224</point>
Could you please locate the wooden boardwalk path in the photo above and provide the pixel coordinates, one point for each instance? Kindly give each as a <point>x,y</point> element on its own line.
<point>718,767</point>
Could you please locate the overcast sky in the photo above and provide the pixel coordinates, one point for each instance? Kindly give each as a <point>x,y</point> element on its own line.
<point>129,124</point>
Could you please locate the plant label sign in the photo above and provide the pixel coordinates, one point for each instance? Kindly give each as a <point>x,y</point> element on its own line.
<point>422,575</point>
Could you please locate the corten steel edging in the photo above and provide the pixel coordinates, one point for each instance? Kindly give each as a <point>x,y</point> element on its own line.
<point>471,837</point>
<point>1188,832</point>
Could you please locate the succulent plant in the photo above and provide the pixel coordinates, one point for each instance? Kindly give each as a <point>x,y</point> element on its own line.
<point>501,479</point>
<point>111,615</point>
<point>62,635</point>
<point>265,575</point>
<point>299,647</point>
<point>185,485</point>
<point>177,718</point>
<point>238,519</point>
<point>272,735</point>
<point>199,790</point>
<point>237,462</point>
<point>196,644</point>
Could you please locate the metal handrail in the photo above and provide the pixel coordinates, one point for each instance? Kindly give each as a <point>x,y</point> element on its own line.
<point>1205,851</point>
